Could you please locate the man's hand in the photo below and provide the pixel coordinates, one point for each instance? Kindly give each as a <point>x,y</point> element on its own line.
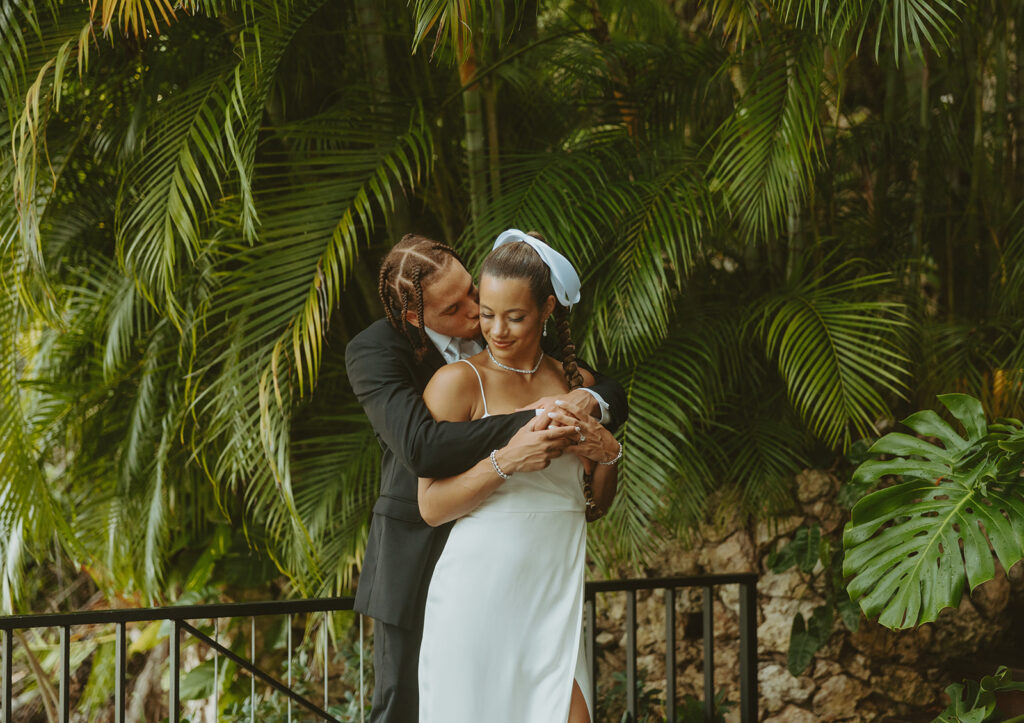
<point>534,446</point>
<point>593,441</point>
<point>578,403</point>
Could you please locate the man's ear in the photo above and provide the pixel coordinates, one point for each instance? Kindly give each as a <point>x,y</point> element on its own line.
<point>412,317</point>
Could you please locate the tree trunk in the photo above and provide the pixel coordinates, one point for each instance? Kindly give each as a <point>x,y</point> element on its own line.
<point>476,159</point>
<point>917,254</point>
<point>371,30</point>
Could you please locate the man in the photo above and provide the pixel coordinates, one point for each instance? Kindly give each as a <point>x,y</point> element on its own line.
<point>431,318</point>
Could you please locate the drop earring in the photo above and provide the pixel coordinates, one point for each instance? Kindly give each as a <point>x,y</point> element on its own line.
<point>545,332</point>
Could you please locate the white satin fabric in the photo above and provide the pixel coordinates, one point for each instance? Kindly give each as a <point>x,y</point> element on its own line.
<point>502,636</point>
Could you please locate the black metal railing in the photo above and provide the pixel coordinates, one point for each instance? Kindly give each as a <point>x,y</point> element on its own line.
<point>180,615</point>
<point>748,638</point>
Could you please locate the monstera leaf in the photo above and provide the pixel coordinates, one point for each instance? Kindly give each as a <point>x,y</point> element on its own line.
<point>911,546</point>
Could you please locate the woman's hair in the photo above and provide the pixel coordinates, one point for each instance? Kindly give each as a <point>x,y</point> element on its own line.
<point>404,271</point>
<point>518,260</point>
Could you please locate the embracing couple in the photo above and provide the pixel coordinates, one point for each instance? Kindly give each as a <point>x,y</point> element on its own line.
<point>495,454</point>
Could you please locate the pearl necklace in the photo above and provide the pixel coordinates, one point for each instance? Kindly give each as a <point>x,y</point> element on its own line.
<point>513,369</point>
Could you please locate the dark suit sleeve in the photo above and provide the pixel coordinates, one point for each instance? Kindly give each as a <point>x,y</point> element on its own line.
<point>381,376</point>
<point>615,396</point>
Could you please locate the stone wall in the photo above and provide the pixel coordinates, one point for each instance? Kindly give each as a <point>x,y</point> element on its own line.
<point>871,674</point>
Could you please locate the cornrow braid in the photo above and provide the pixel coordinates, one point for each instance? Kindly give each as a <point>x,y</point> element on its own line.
<point>405,270</point>
<point>417,285</point>
<point>382,283</point>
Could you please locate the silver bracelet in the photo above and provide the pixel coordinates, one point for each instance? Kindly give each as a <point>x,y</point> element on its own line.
<point>497,469</point>
<point>615,459</point>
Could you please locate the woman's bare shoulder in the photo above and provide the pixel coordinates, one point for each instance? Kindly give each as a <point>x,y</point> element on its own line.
<point>447,395</point>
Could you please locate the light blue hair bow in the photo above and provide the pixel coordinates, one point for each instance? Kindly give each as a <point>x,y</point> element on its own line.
<point>564,279</point>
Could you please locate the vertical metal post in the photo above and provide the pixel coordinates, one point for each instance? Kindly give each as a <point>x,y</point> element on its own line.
<point>6,662</point>
<point>326,618</point>
<point>216,670</point>
<point>252,678</point>
<point>670,653</point>
<point>590,616</point>
<point>631,698</point>
<point>65,674</point>
<point>120,665</point>
<point>748,652</point>
<point>362,705</point>
<point>289,665</point>
<point>709,654</point>
<point>174,694</point>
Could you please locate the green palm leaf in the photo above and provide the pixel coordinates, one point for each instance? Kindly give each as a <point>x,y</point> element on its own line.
<point>660,239</point>
<point>767,150</point>
<point>836,353</point>
<point>666,471</point>
<point>903,543</point>
<point>169,192</point>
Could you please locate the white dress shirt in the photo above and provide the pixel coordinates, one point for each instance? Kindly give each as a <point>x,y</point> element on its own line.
<point>453,349</point>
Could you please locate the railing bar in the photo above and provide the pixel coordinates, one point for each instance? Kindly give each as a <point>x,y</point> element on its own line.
<point>362,704</point>
<point>280,607</point>
<point>660,583</point>
<point>253,670</point>
<point>590,613</point>
<point>216,670</point>
<point>631,697</point>
<point>65,674</point>
<point>180,612</point>
<point>252,679</point>
<point>289,665</point>
<point>174,693</point>
<point>8,666</point>
<point>748,652</point>
<point>120,667</point>
<point>709,654</point>
<point>670,653</point>
<point>325,661</point>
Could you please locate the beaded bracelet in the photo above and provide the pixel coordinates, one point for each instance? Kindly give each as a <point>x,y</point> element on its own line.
<point>494,463</point>
<point>615,459</point>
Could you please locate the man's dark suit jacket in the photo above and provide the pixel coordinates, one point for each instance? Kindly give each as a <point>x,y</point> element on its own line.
<point>402,549</point>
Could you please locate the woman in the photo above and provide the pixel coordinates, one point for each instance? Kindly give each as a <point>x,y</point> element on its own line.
<point>503,621</point>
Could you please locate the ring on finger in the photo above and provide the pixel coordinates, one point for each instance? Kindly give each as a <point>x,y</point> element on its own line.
<point>583,438</point>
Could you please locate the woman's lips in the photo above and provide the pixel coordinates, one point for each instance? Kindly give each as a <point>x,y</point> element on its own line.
<point>501,344</point>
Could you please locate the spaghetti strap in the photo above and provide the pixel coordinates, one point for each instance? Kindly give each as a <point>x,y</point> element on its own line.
<point>481,381</point>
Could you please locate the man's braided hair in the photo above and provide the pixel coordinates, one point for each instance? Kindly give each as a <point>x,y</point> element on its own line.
<point>406,269</point>
<point>518,260</point>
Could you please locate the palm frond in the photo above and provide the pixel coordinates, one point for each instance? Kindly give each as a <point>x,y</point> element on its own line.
<point>135,16</point>
<point>167,195</point>
<point>666,475</point>
<point>27,508</point>
<point>566,195</point>
<point>263,43</point>
<point>657,246</point>
<point>767,150</point>
<point>837,352</point>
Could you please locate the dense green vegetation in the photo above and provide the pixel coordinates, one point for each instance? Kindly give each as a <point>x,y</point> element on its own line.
<point>795,221</point>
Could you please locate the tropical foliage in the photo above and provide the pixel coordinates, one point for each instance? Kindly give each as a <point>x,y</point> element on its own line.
<point>911,546</point>
<point>792,220</point>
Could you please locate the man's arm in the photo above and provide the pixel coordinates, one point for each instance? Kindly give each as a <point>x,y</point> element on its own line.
<point>380,372</point>
<point>614,396</point>
<point>583,401</point>
<point>449,397</point>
